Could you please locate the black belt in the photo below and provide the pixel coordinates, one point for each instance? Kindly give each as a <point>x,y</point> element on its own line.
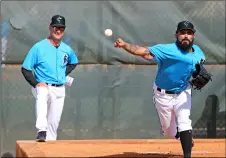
<point>55,85</point>
<point>168,92</point>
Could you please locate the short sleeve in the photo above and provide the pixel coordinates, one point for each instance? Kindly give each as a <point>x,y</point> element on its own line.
<point>200,53</point>
<point>203,56</point>
<point>73,59</point>
<point>157,52</point>
<point>31,58</point>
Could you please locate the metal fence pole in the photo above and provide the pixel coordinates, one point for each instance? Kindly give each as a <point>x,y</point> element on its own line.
<point>212,120</point>
<point>1,132</point>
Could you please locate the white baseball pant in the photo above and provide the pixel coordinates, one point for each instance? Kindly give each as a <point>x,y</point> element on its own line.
<point>173,111</point>
<point>48,109</point>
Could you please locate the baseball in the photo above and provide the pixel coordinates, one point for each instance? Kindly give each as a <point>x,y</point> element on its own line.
<point>108,32</point>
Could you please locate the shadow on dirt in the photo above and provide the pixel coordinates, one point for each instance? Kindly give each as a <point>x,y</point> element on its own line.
<point>133,154</point>
<point>7,154</point>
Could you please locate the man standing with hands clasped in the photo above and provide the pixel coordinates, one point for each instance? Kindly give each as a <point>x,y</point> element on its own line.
<point>51,60</point>
<point>177,63</point>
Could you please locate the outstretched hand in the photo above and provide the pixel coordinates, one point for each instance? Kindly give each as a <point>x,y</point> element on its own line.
<point>119,43</point>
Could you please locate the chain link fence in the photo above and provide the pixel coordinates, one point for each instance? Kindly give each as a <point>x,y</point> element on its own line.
<point>212,121</point>
<point>117,101</point>
<point>26,22</point>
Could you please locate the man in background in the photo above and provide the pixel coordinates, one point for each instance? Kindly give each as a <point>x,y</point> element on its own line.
<point>51,60</point>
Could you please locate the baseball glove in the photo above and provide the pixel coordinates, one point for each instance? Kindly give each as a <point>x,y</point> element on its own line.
<point>200,77</point>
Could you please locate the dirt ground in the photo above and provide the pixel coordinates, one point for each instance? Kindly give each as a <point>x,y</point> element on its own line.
<point>119,148</point>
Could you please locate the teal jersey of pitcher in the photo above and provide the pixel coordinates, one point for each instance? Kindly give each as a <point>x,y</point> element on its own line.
<point>175,66</point>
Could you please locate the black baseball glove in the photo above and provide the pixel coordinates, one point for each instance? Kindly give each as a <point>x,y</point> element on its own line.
<point>200,77</point>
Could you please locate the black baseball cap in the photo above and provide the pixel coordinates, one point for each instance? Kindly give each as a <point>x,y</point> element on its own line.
<point>58,21</point>
<point>185,25</point>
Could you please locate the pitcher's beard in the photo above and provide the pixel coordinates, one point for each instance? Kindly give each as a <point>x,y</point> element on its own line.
<point>184,46</point>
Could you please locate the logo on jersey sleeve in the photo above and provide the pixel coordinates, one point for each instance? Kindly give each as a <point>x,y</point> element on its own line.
<point>202,61</point>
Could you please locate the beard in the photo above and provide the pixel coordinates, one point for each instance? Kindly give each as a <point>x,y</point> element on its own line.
<point>185,46</point>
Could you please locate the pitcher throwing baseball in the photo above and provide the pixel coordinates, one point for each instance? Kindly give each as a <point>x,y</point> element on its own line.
<point>52,60</point>
<point>172,89</point>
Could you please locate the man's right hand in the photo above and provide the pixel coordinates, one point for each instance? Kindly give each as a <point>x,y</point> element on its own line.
<point>134,49</point>
<point>41,84</point>
<point>119,43</point>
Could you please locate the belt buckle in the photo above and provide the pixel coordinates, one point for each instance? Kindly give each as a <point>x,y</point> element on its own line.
<point>161,90</point>
<point>52,85</point>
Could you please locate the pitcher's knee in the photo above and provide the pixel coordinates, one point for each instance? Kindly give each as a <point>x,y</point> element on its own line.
<point>170,132</point>
<point>184,123</point>
<point>184,127</point>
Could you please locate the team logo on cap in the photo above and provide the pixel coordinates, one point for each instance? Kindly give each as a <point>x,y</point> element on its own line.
<point>59,19</point>
<point>186,23</point>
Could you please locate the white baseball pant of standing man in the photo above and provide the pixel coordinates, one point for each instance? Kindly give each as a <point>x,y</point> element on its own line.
<point>49,103</point>
<point>52,60</point>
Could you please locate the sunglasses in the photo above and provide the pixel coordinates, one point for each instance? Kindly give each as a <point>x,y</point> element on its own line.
<point>58,28</point>
<point>189,32</point>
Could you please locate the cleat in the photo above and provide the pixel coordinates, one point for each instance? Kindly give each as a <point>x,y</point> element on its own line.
<point>41,136</point>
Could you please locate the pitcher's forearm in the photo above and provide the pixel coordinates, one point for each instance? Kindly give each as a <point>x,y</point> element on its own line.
<point>136,50</point>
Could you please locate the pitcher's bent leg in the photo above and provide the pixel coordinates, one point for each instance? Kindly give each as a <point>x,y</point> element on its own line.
<point>185,129</point>
<point>182,111</point>
<point>172,130</point>
<point>166,114</point>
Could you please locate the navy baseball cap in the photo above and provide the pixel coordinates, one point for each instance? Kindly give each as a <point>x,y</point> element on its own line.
<point>58,21</point>
<point>185,25</point>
